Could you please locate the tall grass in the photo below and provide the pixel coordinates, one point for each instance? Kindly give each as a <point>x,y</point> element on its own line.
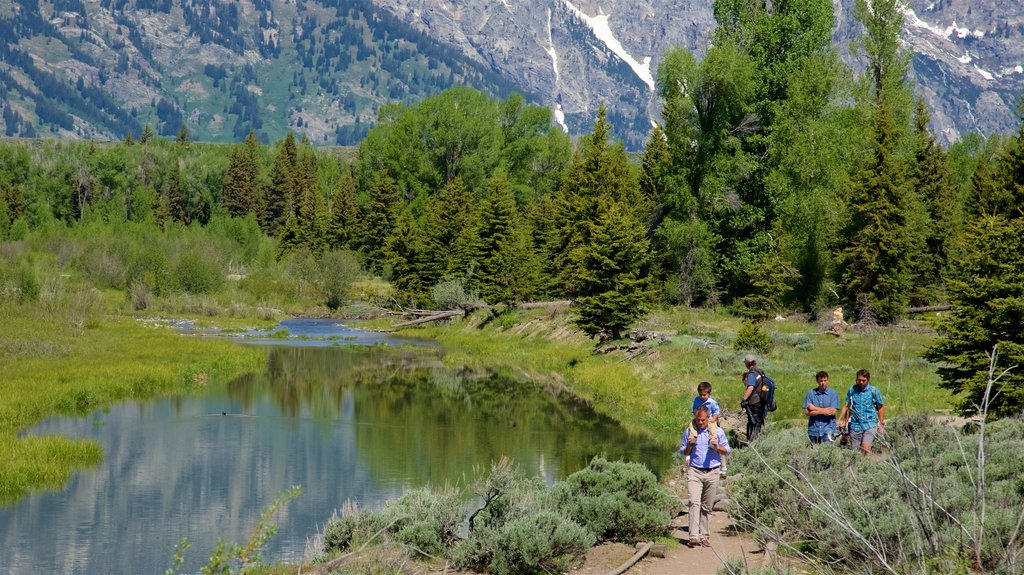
<point>55,364</point>
<point>654,391</point>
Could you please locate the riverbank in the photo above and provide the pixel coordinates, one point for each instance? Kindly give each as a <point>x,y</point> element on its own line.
<point>55,362</point>
<point>651,389</point>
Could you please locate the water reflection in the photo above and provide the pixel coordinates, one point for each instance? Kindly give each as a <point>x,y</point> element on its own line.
<point>360,424</point>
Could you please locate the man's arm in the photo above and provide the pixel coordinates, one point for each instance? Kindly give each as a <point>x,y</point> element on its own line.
<point>881,418</point>
<point>844,415</point>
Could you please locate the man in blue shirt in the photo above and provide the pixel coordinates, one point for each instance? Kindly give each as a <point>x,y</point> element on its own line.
<point>820,405</point>
<point>702,475</point>
<point>864,411</point>
<point>751,402</point>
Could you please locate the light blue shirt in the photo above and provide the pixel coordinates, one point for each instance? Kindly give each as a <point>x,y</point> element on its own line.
<point>821,425</point>
<point>711,404</point>
<point>702,455</point>
<point>864,404</point>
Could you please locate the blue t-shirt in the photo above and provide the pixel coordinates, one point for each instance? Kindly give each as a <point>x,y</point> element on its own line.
<point>864,404</point>
<point>821,425</point>
<point>711,404</point>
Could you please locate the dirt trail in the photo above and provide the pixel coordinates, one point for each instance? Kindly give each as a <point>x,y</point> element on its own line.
<point>680,559</point>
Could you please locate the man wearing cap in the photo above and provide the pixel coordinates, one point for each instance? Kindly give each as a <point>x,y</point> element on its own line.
<point>702,475</point>
<point>751,402</point>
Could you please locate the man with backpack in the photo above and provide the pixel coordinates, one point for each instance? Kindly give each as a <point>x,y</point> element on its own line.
<point>864,412</point>
<point>758,397</point>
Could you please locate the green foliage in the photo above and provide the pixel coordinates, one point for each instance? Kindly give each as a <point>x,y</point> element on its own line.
<point>198,272</point>
<point>616,501</point>
<point>920,510</point>
<point>247,557</point>
<point>452,294</point>
<point>770,282</point>
<point>501,252</point>
<point>339,270</point>
<point>752,337</point>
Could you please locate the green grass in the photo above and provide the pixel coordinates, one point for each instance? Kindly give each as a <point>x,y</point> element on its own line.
<point>653,393</point>
<point>55,365</point>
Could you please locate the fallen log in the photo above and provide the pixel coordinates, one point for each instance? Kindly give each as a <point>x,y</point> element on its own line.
<point>544,304</point>
<point>928,308</point>
<point>429,318</point>
<point>632,560</point>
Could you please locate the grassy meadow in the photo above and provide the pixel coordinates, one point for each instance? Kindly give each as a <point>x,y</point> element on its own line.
<point>653,392</point>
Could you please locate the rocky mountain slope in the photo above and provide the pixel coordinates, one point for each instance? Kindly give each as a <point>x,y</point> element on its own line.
<point>102,68</point>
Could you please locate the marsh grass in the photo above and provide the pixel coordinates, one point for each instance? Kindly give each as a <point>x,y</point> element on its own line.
<point>653,392</point>
<point>53,364</point>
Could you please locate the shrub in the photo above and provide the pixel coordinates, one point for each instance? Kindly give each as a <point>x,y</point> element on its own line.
<point>616,501</point>
<point>452,294</point>
<point>752,337</point>
<point>198,273</point>
<point>338,271</point>
<point>919,510</point>
<point>139,294</point>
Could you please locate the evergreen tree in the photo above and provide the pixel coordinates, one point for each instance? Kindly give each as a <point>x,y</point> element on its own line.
<point>344,213</point>
<point>599,172</point>
<point>934,186</point>
<point>175,201</point>
<point>382,209</point>
<point>147,134</point>
<point>446,226</point>
<point>310,213</point>
<point>610,286</point>
<point>183,139</point>
<point>770,281</point>
<point>656,167</point>
<point>877,255</point>
<point>401,253</point>
<point>240,191</point>
<point>504,271</point>
<point>281,192</point>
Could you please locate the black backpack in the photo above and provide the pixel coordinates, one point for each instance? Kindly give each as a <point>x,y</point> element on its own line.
<point>766,391</point>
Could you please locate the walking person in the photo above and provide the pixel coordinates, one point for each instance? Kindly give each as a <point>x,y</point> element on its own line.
<point>751,402</point>
<point>863,412</point>
<point>705,453</point>
<point>820,405</point>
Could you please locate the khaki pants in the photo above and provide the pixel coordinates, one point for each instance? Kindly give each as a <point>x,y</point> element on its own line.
<point>702,485</point>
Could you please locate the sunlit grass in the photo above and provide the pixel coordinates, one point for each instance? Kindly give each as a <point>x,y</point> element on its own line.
<point>54,365</point>
<point>654,392</point>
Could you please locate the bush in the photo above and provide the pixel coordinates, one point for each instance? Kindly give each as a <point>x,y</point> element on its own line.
<point>198,273</point>
<point>919,510</point>
<point>452,294</point>
<point>338,271</point>
<point>616,501</point>
<point>752,337</point>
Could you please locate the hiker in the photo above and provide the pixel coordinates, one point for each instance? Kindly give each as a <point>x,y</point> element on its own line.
<point>705,453</point>
<point>751,403</point>
<point>704,398</point>
<point>820,405</point>
<point>863,412</point>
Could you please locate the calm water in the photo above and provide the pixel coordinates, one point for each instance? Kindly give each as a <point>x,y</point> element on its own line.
<point>343,423</point>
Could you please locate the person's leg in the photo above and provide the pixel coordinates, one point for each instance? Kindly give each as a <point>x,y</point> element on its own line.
<point>868,437</point>
<point>707,503</point>
<point>815,440</point>
<point>692,430</point>
<point>695,490</point>
<point>757,417</point>
<point>855,439</point>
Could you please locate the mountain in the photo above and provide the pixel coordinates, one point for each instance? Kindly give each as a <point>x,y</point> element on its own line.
<point>102,68</point>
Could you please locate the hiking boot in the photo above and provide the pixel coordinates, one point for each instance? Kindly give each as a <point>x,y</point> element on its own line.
<point>694,543</point>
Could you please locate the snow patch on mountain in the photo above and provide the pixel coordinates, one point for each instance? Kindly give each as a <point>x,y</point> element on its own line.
<point>599,25</point>
<point>911,19</point>
<point>551,50</point>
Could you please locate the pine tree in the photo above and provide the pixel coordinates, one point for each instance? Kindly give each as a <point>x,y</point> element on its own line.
<point>311,213</point>
<point>875,260</point>
<point>401,253</point>
<point>344,213</point>
<point>504,271</point>
<point>379,218</point>
<point>240,192</point>
<point>446,225</point>
<point>611,287</point>
<point>599,172</point>
<point>933,182</point>
<point>183,140</point>
<point>147,134</point>
<point>280,195</point>
<point>174,195</point>
<point>770,281</point>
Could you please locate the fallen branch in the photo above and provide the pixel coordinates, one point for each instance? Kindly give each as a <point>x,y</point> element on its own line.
<point>544,304</point>
<point>632,560</point>
<point>928,308</point>
<point>429,318</point>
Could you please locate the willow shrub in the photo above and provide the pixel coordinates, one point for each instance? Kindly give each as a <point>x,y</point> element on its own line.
<point>916,509</point>
<point>516,525</point>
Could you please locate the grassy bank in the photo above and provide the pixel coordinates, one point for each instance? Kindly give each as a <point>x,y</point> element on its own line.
<point>653,392</point>
<point>71,358</point>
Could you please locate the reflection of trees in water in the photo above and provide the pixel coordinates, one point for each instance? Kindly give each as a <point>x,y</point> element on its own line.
<point>415,419</point>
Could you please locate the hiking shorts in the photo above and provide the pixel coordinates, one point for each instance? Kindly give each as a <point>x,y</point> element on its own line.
<point>819,439</point>
<point>858,438</point>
